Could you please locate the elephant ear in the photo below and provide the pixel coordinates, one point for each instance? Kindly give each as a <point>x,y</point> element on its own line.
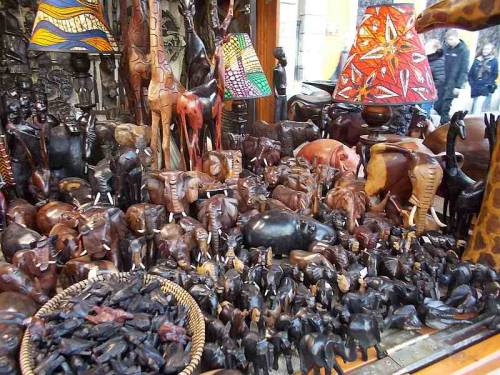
<point>192,188</point>
<point>230,207</point>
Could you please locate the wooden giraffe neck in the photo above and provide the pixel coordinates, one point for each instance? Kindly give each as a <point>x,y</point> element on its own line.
<point>138,24</point>
<point>158,56</point>
<point>464,14</point>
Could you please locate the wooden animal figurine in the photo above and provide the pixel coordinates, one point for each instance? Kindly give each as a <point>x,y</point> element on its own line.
<point>455,181</point>
<point>21,212</point>
<point>258,153</point>
<point>175,190</point>
<point>285,231</point>
<point>200,109</point>
<point>75,191</point>
<point>218,213</point>
<point>343,122</point>
<point>469,201</point>
<point>39,264</point>
<point>475,148</point>
<point>289,133</point>
<point>52,213</point>
<point>81,268</point>
<point>67,242</point>
<point>17,237</point>
<point>425,174</point>
<point>223,165</point>
<point>14,280</point>
<point>352,201</point>
<point>163,92</point>
<point>293,199</point>
<point>332,153</point>
<point>197,61</point>
<point>39,180</point>
<point>135,61</point>
<point>470,15</point>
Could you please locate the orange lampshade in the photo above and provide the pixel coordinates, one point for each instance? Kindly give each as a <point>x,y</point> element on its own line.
<point>387,64</point>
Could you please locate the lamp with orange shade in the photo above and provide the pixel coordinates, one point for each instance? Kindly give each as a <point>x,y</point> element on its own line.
<point>386,67</point>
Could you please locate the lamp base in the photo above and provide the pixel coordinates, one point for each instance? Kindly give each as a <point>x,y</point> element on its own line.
<point>235,121</point>
<point>376,118</point>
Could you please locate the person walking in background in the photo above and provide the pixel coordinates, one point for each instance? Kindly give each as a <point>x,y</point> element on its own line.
<point>456,64</point>
<point>482,76</point>
<point>435,55</point>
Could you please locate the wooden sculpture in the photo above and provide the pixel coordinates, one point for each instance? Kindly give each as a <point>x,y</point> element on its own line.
<point>484,244</point>
<point>197,62</point>
<point>462,14</point>
<point>136,62</point>
<point>202,105</point>
<point>455,180</point>
<point>164,89</point>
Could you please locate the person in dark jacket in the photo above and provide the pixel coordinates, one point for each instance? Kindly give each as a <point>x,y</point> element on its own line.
<point>482,76</point>
<point>456,64</point>
<point>435,55</point>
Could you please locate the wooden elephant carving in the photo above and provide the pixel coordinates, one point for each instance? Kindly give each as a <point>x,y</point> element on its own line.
<point>258,152</point>
<point>223,165</point>
<point>39,264</point>
<point>218,213</point>
<point>332,153</point>
<point>425,174</point>
<point>343,123</point>
<point>175,190</point>
<point>21,212</point>
<point>290,134</point>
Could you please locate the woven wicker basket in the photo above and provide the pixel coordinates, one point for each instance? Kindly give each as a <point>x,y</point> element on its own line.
<point>196,322</point>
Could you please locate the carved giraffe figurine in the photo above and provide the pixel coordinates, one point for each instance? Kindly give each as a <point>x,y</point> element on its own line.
<point>197,62</point>
<point>484,244</point>
<point>462,14</point>
<point>202,105</point>
<point>164,89</point>
<point>136,62</point>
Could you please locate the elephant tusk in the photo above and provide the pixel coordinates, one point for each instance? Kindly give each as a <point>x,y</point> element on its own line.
<point>209,238</point>
<point>356,223</point>
<point>141,231</point>
<point>84,252</point>
<point>436,219</point>
<point>156,230</point>
<point>170,217</point>
<point>110,198</point>
<point>412,216</point>
<point>146,151</point>
<point>106,247</point>
<point>265,162</point>
<point>208,194</point>
<point>183,214</point>
<point>97,197</point>
<point>252,160</point>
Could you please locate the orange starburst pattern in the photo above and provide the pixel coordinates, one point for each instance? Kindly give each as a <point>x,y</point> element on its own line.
<point>387,63</point>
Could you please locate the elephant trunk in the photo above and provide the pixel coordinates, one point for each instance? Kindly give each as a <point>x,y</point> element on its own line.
<point>214,228</point>
<point>176,203</point>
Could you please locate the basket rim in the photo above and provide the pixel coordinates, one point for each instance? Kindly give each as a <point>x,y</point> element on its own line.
<point>196,320</point>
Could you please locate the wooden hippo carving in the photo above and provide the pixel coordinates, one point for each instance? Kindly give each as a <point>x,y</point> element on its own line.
<point>332,153</point>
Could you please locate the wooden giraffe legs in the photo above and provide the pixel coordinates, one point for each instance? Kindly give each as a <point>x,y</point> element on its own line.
<point>155,123</point>
<point>166,120</point>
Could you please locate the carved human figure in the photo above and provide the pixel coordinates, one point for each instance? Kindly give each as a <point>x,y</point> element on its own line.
<point>279,84</point>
